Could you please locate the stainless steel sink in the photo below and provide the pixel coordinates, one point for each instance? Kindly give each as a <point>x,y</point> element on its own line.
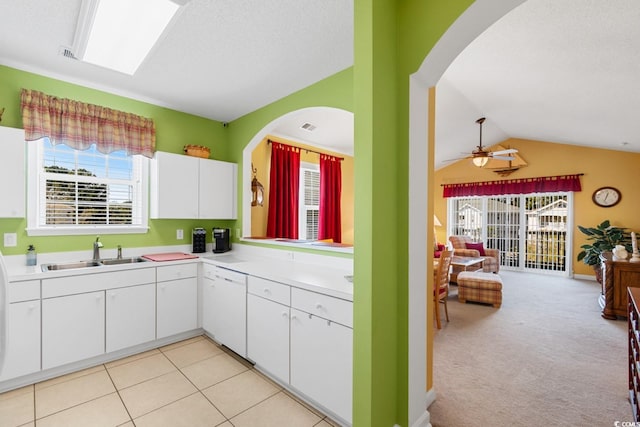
<point>92,263</point>
<point>69,265</point>
<point>118,261</point>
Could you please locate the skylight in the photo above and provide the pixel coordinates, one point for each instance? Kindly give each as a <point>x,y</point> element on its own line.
<point>119,34</point>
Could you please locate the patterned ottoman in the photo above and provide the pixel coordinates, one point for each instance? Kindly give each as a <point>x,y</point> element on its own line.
<point>479,286</point>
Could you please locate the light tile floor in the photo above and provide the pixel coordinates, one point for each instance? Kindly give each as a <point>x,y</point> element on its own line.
<point>191,383</point>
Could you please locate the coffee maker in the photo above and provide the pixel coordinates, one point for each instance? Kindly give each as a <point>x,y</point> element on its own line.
<point>221,242</point>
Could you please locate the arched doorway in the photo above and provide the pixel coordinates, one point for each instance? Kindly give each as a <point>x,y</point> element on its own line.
<point>477,18</point>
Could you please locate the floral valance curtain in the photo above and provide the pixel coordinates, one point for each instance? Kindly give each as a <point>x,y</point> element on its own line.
<point>79,125</point>
<point>545,184</point>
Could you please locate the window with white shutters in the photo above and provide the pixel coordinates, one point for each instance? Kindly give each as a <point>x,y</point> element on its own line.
<point>85,192</point>
<point>309,209</point>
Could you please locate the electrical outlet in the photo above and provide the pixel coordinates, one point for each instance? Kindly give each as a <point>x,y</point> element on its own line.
<point>179,234</point>
<point>10,240</point>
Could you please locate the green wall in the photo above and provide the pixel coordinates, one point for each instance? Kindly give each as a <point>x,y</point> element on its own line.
<point>174,129</point>
<point>392,38</point>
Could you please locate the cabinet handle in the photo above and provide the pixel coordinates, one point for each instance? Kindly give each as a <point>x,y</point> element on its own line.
<point>294,317</point>
<point>98,297</point>
<point>265,290</point>
<point>32,307</point>
<point>113,294</point>
<point>284,314</point>
<point>319,306</point>
<point>162,287</point>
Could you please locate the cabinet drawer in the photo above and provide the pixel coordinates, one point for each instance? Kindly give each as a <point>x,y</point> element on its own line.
<point>180,271</point>
<point>273,291</point>
<point>70,285</point>
<point>334,309</point>
<point>213,271</point>
<point>23,291</point>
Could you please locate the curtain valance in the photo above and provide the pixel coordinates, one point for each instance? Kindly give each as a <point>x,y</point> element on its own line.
<point>544,184</point>
<point>79,125</point>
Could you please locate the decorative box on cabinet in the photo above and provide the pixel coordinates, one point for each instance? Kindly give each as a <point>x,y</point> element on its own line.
<point>634,351</point>
<point>617,276</point>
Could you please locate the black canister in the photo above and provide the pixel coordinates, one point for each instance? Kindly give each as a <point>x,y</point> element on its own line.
<point>199,239</point>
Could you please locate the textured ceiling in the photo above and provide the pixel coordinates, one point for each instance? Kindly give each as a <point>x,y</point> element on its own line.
<point>559,71</point>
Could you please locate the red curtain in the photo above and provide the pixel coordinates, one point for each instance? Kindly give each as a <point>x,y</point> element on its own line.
<point>282,220</point>
<point>544,184</point>
<point>329,226</point>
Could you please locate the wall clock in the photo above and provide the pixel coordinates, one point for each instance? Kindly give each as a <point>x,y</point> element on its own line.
<point>606,197</point>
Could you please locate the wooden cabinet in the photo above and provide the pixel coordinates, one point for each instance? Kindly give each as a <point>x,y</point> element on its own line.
<point>268,326</point>
<point>617,276</point>
<point>177,299</point>
<point>190,187</point>
<point>72,328</point>
<point>228,302</point>
<point>130,316</point>
<point>12,170</point>
<point>634,351</point>
<point>23,329</point>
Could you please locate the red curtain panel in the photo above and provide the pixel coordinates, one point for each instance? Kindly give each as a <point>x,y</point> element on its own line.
<point>282,220</point>
<point>329,225</point>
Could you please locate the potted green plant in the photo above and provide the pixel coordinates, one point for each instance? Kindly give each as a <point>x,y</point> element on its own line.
<point>603,238</point>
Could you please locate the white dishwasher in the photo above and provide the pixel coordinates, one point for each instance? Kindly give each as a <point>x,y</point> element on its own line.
<point>225,307</point>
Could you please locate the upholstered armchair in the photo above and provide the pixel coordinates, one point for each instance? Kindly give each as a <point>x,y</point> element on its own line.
<point>464,246</point>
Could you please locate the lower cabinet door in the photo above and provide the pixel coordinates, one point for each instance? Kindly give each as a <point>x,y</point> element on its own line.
<point>177,306</point>
<point>321,361</point>
<point>72,328</point>
<point>131,316</point>
<point>229,304</point>
<point>23,340</point>
<point>268,336</point>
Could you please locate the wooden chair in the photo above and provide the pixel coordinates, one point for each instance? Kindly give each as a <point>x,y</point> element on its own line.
<point>441,285</point>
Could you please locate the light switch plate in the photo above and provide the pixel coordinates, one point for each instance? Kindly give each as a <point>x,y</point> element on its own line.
<point>10,240</point>
<point>179,234</point>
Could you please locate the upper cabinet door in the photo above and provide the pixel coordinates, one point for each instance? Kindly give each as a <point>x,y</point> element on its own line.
<point>217,189</point>
<point>186,187</point>
<point>174,186</point>
<point>12,173</point>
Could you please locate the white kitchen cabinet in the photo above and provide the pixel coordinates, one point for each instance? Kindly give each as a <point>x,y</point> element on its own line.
<point>176,299</point>
<point>130,316</point>
<point>268,336</point>
<point>322,350</point>
<point>217,189</point>
<point>12,173</point>
<point>228,303</point>
<point>187,187</point>
<point>23,339</point>
<point>73,328</point>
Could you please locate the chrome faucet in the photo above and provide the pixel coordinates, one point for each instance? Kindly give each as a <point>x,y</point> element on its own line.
<point>96,248</point>
<point>119,252</point>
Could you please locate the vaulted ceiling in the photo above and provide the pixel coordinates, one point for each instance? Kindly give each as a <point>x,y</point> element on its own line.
<point>560,71</point>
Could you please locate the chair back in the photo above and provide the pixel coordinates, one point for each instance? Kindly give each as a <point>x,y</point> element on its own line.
<point>459,242</point>
<point>442,273</point>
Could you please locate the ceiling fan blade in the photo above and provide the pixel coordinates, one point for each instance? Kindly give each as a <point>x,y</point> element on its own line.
<point>502,157</point>
<point>507,151</point>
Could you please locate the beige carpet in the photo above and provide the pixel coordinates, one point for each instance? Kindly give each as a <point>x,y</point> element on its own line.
<point>545,358</point>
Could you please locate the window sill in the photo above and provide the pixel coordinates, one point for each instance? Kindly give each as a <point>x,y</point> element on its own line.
<point>75,231</point>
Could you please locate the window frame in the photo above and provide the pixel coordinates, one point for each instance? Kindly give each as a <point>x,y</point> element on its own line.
<point>302,207</point>
<point>35,174</point>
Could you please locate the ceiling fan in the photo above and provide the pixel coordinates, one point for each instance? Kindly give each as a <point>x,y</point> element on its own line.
<point>480,156</point>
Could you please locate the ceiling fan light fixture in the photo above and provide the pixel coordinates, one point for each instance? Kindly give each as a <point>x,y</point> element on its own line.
<point>480,161</point>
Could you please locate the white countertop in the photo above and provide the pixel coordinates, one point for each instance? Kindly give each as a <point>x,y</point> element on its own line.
<point>318,278</point>
<point>325,275</point>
